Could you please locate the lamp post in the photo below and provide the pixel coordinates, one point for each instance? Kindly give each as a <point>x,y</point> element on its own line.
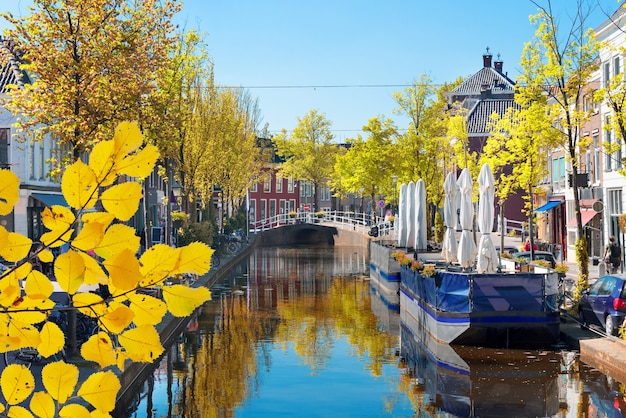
<point>394,180</point>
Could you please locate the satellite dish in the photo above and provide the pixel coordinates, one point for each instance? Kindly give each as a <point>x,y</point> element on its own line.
<point>598,206</point>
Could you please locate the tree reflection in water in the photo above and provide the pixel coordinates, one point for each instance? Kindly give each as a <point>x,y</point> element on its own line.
<point>312,303</point>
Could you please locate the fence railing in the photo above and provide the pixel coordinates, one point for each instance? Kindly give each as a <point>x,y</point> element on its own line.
<point>339,219</point>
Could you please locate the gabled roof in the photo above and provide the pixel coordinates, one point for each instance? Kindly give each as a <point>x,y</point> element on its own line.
<point>480,115</point>
<point>10,72</point>
<point>486,78</point>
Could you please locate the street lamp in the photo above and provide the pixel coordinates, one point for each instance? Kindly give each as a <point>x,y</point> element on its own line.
<point>394,180</point>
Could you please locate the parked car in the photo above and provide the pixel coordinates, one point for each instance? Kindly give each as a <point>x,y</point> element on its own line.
<point>604,304</point>
<point>508,249</point>
<point>537,255</point>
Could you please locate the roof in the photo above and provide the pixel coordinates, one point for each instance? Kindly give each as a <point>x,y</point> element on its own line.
<point>10,72</point>
<point>480,114</point>
<point>488,78</point>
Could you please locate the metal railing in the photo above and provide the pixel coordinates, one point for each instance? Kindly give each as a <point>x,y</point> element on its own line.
<point>340,219</point>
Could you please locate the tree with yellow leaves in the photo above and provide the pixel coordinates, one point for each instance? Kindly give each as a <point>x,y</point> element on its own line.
<point>127,319</point>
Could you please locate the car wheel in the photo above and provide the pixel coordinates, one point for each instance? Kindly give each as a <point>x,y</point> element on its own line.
<point>608,325</point>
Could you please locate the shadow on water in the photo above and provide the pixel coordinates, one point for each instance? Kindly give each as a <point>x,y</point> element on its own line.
<point>299,331</point>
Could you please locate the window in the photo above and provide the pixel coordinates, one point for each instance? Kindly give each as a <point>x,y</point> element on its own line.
<point>558,173</point>
<point>279,184</point>
<point>606,74</point>
<point>42,162</point>
<point>32,160</point>
<point>253,210</point>
<point>272,208</point>
<point>616,66</point>
<point>607,138</point>
<point>595,169</point>
<point>4,148</point>
<point>255,187</point>
<point>263,209</point>
<point>267,184</point>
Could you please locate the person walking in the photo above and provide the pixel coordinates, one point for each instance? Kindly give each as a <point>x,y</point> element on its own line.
<point>613,255</point>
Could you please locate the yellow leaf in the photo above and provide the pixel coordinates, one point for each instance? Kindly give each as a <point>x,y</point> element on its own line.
<point>17,411</point>
<point>102,162</point>
<point>79,186</point>
<point>34,309</point>
<point>141,164</point>
<point>123,270</point>
<point>99,348</point>
<point>118,319</point>
<point>183,300</point>
<point>141,343</point>
<point>4,234</point>
<point>116,238</point>
<point>56,238</point>
<point>42,405</point>
<point>10,291</point>
<point>194,258</point>
<point>9,191</point>
<point>16,247</point>
<point>94,274</point>
<point>100,389</point>
<point>148,310</point>
<point>57,217</point>
<point>122,200</point>
<point>90,304</point>
<point>104,218</point>
<point>17,383</point>
<point>74,410</point>
<point>52,339</point>
<point>89,236</point>
<point>127,138</point>
<point>69,270</point>
<point>38,285</point>
<point>59,379</point>
<point>46,256</point>
<point>158,263</point>
<point>19,335</point>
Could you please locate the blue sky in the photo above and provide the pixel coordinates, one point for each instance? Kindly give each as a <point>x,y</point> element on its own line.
<point>287,52</point>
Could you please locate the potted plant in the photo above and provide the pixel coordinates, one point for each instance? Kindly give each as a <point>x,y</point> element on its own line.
<point>561,269</point>
<point>429,271</point>
<point>292,214</point>
<point>179,218</point>
<point>417,265</point>
<point>320,214</point>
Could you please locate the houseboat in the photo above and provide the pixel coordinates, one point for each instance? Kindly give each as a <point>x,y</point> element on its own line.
<point>455,306</point>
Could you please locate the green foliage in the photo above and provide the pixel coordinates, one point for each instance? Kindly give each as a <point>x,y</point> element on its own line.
<point>205,232</point>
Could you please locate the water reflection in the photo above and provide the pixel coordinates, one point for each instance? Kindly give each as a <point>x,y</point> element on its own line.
<point>299,332</point>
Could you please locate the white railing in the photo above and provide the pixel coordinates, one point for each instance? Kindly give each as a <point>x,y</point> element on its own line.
<point>339,219</point>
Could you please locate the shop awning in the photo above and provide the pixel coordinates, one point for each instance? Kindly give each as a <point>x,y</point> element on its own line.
<point>548,206</point>
<point>50,199</point>
<point>586,216</point>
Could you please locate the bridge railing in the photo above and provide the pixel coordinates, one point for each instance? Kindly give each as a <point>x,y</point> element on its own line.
<point>340,219</point>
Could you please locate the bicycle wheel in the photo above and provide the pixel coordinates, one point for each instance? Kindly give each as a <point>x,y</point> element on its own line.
<point>215,260</point>
<point>231,248</point>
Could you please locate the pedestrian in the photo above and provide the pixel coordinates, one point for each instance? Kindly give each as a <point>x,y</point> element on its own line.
<point>527,245</point>
<point>613,255</point>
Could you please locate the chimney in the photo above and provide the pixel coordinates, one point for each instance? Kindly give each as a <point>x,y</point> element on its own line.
<point>487,58</point>
<point>498,64</point>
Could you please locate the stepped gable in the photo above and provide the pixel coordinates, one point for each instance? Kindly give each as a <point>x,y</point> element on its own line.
<point>10,60</point>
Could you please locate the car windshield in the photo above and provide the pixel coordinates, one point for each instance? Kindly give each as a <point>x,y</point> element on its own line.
<point>603,286</point>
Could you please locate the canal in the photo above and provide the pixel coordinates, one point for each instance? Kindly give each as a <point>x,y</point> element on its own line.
<point>302,332</point>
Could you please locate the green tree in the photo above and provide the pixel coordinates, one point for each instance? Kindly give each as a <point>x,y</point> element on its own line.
<point>565,56</point>
<point>308,152</point>
<point>425,141</point>
<point>368,164</point>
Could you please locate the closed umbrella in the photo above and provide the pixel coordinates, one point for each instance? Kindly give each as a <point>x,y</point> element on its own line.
<point>487,256</point>
<point>400,221</point>
<point>466,252</point>
<point>420,215</point>
<point>410,214</point>
<point>450,206</point>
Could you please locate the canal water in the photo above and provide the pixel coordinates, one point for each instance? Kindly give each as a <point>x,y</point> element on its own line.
<point>302,332</point>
